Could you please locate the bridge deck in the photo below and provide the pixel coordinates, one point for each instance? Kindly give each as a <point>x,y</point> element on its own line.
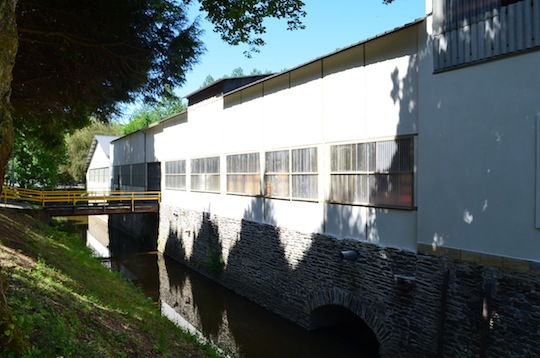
<point>79,202</point>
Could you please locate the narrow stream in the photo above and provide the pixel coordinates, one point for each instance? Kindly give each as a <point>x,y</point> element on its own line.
<point>237,325</point>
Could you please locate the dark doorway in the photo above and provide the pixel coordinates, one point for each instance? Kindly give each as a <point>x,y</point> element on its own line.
<point>154,176</point>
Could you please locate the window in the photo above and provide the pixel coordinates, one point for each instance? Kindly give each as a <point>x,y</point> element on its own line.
<point>138,177</point>
<point>304,178</point>
<point>244,174</point>
<point>175,175</point>
<point>98,175</point>
<point>205,174</point>
<point>277,174</point>
<point>375,173</point>
<point>292,174</point>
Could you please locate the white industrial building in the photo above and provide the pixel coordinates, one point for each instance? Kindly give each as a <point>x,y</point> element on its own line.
<point>417,149</point>
<point>448,142</point>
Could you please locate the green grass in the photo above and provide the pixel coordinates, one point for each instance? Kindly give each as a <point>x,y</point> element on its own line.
<point>56,300</point>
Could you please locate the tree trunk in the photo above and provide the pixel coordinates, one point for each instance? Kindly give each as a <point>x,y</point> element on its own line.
<point>8,50</point>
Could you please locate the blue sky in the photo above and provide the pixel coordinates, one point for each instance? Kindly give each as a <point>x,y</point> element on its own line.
<point>330,25</point>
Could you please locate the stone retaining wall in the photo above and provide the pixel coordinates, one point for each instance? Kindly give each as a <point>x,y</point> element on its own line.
<point>417,304</point>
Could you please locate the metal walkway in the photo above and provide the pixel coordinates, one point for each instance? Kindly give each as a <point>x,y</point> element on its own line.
<point>81,202</point>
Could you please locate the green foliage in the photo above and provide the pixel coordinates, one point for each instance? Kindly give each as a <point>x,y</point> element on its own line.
<point>78,145</point>
<point>237,72</point>
<point>147,114</point>
<point>214,260</point>
<point>243,21</point>
<point>62,302</point>
<point>208,80</point>
<point>36,163</point>
<point>10,333</point>
<point>76,59</point>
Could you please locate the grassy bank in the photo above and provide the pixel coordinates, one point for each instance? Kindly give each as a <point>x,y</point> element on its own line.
<point>56,300</point>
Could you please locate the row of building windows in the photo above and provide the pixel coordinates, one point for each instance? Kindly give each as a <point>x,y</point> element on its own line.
<point>98,175</point>
<point>375,173</point>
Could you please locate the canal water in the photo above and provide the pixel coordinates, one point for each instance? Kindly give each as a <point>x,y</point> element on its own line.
<point>238,326</point>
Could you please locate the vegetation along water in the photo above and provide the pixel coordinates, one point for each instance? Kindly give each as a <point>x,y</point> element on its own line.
<point>58,300</point>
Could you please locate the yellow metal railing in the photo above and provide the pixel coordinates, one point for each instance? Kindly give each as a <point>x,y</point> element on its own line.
<point>75,197</point>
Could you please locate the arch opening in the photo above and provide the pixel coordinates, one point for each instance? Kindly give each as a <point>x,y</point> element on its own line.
<point>356,336</point>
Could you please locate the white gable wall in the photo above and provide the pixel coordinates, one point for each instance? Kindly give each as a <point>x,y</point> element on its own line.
<point>99,160</point>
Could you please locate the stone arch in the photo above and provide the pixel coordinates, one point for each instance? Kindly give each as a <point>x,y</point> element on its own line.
<point>371,315</point>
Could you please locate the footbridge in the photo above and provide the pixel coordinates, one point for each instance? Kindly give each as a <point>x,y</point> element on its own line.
<point>82,202</point>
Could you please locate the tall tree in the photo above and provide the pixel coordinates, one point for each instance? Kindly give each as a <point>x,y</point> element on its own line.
<point>78,145</point>
<point>208,80</point>
<point>79,58</point>
<point>8,49</point>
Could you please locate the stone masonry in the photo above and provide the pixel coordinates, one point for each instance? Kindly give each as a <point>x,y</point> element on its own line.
<point>417,304</point>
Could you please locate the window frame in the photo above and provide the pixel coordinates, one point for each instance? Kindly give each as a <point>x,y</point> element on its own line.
<point>286,173</point>
<point>365,174</point>
<point>94,175</point>
<point>201,168</point>
<point>179,176</point>
<point>241,169</point>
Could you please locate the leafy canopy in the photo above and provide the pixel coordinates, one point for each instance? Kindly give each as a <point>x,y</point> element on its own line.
<point>80,58</point>
<point>243,21</point>
<point>147,114</point>
<point>34,164</point>
<point>78,145</point>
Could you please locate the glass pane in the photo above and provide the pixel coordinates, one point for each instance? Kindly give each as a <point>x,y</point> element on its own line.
<point>304,160</point>
<point>305,186</point>
<point>175,181</point>
<point>197,182</point>
<point>212,165</point>
<point>196,166</point>
<point>343,158</point>
<point>175,167</point>
<point>169,181</point>
<point>212,182</point>
<point>341,188</point>
<point>404,158</point>
<point>348,188</point>
<point>391,189</point>
<point>277,162</point>
<point>277,185</point>
<point>386,150</point>
<point>253,165</point>
<point>243,163</point>
<point>244,184</point>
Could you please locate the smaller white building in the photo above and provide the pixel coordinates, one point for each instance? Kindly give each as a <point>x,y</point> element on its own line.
<point>98,164</point>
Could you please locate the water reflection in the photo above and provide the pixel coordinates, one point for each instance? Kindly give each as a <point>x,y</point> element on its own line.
<point>237,325</point>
